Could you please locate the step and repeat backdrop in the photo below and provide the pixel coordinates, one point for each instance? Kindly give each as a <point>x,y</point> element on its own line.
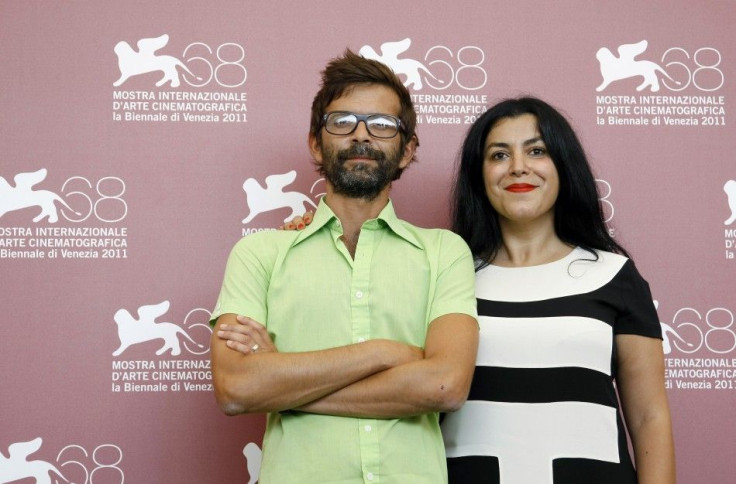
<point>140,140</point>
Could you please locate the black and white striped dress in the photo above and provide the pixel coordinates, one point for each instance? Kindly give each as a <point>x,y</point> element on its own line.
<point>542,407</point>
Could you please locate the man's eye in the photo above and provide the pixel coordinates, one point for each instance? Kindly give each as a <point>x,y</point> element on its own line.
<point>382,123</point>
<point>343,121</point>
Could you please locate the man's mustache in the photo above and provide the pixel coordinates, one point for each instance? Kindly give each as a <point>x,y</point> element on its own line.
<point>361,151</point>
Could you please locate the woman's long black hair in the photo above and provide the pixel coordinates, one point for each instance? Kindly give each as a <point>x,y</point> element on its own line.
<point>578,214</point>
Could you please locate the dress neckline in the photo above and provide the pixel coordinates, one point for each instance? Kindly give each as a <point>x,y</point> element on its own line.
<point>573,254</point>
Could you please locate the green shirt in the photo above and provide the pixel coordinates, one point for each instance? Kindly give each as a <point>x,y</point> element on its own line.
<point>312,295</point>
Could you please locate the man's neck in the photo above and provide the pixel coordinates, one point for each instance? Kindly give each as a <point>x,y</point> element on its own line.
<point>353,212</point>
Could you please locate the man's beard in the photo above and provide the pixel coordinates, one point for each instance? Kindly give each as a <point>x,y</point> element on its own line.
<point>363,180</point>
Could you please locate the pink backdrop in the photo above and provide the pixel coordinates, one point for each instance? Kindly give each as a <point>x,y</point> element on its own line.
<point>140,191</point>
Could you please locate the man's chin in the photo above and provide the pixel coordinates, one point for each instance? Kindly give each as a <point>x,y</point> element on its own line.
<point>357,186</point>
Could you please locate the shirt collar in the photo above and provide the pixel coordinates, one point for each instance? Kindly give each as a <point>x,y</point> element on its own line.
<point>324,216</point>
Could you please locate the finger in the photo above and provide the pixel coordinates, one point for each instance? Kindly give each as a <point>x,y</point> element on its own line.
<point>308,217</point>
<point>238,335</point>
<point>248,321</point>
<point>298,223</point>
<point>241,338</point>
<point>237,328</point>
<point>240,347</point>
<point>254,327</point>
<point>260,335</point>
<point>247,345</point>
<point>257,333</point>
<point>289,226</point>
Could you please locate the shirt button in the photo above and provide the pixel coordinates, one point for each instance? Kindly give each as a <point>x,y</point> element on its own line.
<point>359,294</point>
<point>367,428</point>
<point>369,476</point>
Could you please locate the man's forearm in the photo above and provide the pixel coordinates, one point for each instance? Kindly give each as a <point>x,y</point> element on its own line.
<point>403,391</point>
<point>273,381</point>
<point>440,382</point>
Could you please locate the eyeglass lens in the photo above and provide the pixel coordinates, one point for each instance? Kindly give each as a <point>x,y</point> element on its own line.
<point>378,125</point>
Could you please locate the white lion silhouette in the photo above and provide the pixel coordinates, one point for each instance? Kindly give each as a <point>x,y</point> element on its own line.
<point>625,66</point>
<point>390,56</point>
<point>730,189</point>
<point>17,467</point>
<point>253,456</point>
<point>273,197</point>
<point>132,63</point>
<point>132,331</point>
<point>21,196</point>
<point>667,332</point>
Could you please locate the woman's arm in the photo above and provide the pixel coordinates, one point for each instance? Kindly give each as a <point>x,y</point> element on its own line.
<point>640,382</point>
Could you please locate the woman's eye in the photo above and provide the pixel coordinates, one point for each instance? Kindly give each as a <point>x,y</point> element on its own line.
<point>538,151</point>
<point>498,156</point>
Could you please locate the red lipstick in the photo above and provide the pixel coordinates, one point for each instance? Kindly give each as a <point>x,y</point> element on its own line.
<point>520,187</point>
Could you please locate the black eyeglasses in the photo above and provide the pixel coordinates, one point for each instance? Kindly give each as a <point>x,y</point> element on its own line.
<point>345,122</point>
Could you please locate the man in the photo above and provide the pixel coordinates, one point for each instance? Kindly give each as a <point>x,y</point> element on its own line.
<point>369,326</point>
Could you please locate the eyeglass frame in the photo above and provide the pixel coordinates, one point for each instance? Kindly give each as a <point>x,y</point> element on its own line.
<point>364,118</point>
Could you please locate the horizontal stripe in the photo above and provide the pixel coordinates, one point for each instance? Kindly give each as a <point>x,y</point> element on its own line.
<point>584,306</point>
<point>584,275</point>
<point>526,438</point>
<point>545,343</point>
<point>483,469</point>
<point>543,385</point>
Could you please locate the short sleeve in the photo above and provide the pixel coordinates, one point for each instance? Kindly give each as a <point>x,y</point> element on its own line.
<point>247,275</point>
<point>639,315</point>
<point>455,287</point>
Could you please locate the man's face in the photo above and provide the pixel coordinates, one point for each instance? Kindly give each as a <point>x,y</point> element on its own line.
<point>359,165</point>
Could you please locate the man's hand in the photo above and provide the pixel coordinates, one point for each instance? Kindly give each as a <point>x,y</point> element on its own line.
<point>298,223</point>
<point>271,381</point>
<point>247,336</point>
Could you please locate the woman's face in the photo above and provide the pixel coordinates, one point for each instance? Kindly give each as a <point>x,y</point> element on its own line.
<point>520,178</point>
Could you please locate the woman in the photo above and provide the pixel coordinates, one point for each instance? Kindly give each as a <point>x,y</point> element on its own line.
<point>565,318</point>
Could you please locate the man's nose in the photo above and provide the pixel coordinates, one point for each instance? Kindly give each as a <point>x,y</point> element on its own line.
<point>361,132</point>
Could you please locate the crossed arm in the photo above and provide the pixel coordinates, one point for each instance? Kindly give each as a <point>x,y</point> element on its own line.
<point>644,403</point>
<point>377,378</point>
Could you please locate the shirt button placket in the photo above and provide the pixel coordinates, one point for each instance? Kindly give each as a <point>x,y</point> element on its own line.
<point>360,307</point>
<point>370,452</point>
<point>360,287</point>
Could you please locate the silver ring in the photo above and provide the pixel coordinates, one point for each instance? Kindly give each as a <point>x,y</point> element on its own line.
<point>255,347</point>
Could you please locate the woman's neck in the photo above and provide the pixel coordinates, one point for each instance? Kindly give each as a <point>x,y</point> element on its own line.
<point>532,244</point>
